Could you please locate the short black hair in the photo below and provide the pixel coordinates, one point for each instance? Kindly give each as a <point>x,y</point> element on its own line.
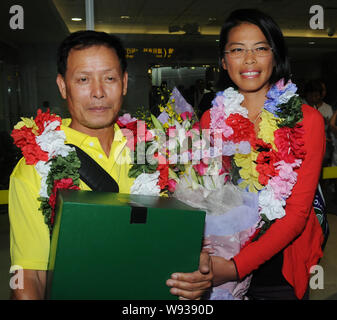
<point>271,31</point>
<point>84,39</point>
<point>314,85</point>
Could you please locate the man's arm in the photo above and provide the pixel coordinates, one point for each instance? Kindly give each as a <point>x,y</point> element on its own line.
<point>34,286</point>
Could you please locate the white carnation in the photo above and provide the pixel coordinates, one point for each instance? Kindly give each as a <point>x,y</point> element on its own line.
<point>52,141</point>
<point>146,184</point>
<point>233,100</point>
<point>285,97</point>
<point>270,207</point>
<point>43,169</point>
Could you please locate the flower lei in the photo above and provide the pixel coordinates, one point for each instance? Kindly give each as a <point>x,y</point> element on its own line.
<point>264,163</point>
<point>41,141</point>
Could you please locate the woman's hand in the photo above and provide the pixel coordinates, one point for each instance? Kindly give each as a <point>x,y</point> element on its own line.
<point>223,270</point>
<point>193,285</point>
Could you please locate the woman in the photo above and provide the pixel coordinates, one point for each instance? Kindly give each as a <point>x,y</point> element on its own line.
<point>253,57</point>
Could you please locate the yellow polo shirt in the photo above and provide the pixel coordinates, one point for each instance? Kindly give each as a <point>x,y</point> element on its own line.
<point>29,235</point>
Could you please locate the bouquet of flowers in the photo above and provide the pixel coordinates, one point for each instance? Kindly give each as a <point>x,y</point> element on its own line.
<point>172,156</point>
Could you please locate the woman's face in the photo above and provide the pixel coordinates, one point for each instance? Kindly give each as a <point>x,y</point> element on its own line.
<point>251,73</point>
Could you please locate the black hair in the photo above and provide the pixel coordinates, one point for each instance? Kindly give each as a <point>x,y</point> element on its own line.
<point>271,31</point>
<point>314,85</point>
<point>84,39</point>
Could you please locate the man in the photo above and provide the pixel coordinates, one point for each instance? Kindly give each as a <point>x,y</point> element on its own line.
<point>315,91</point>
<point>92,77</point>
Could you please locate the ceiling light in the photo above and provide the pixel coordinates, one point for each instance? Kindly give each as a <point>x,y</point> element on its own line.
<point>311,42</point>
<point>211,20</point>
<point>125,17</point>
<point>76,19</point>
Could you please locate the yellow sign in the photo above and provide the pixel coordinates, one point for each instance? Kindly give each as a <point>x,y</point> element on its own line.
<point>161,53</point>
<point>3,196</point>
<point>130,52</point>
<point>329,172</point>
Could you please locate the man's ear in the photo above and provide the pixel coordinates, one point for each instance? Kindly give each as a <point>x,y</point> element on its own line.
<point>223,63</point>
<point>125,83</point>
<point>62,86</point>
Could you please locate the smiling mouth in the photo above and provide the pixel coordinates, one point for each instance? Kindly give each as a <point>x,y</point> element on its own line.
<point>250,74</point>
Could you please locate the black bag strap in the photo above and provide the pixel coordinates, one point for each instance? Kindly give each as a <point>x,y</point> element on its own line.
<point>93,175</point>
<point>321,214</point>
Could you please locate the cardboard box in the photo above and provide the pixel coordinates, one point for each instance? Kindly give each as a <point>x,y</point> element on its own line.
<point>120,246</point>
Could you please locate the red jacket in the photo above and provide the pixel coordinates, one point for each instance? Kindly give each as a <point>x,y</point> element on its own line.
<point>298,233</point>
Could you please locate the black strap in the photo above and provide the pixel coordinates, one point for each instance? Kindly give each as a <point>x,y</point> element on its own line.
<point>321,213</point>
<point>93,175</point>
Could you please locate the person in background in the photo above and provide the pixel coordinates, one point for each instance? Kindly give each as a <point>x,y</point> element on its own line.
<point>333,126</point>
<point>206,100</point>
<point>314,92</point>
<point>9,157</point>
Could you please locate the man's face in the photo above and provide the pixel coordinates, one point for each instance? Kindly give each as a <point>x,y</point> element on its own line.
<point>94,86</point>
<point>313,98</point>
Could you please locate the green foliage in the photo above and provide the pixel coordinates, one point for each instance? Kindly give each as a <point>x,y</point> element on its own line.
<point>144,114</point>
<point>138,169</point>
<point>61,168</point>
<point>46,210</point>
<point>265,225</point>
<point>291,112</point>
<point>235,172</point>
<point>144,167</point>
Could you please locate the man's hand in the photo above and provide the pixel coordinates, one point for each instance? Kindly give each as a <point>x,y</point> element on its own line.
<point>193,285</point>
<point>34,282</point>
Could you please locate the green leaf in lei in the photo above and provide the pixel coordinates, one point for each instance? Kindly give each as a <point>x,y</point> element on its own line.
<point>61,168</point>
<point>291,112</point>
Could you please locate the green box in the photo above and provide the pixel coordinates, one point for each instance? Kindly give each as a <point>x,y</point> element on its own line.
<point>121,246</point>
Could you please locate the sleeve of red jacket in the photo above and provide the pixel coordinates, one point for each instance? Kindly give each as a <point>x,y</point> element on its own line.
<point>298,205</point>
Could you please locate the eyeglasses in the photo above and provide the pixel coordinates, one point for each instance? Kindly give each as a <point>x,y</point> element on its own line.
<point>261,51</point>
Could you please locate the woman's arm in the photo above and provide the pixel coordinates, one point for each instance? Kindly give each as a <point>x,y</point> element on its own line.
<point>284,231</point>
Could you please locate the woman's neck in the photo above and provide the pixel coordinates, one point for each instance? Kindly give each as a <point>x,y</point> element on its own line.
<point>254,102</point>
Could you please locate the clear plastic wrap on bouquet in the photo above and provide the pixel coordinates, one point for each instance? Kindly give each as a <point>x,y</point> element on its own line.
<point>231,219</point>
